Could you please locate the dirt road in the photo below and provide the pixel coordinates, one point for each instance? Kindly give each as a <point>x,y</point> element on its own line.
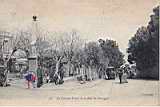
<point>98,92</point>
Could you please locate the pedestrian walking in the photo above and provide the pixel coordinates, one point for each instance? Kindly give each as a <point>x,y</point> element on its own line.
<point>28,78</point>
<point>39,76</point>
<point>120,73</point>
<point>47,79</point>
<point>33,80</point>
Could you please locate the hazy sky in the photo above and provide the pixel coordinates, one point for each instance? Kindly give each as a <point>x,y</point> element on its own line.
<point>94,19</point>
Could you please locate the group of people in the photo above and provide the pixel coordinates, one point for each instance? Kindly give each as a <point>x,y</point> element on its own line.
<point>35,78</point>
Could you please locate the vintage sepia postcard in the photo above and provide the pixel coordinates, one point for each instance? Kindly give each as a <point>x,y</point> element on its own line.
<point>79,53</point>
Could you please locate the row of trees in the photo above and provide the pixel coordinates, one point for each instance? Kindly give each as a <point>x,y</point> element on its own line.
<point>144,48</point>
<point>68,48</point>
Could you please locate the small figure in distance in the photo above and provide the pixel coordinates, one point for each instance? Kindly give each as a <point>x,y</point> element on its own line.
<point>120,73</point>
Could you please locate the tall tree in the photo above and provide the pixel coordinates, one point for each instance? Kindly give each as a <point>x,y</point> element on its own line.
<point>63,47</point>
<point>144,48</point>
<point>41,45</point>
<point>73,44</point>
<point>111,51</point>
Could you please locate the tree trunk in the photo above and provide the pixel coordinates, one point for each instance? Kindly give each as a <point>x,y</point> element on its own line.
<point>90,73</point>
<point>99,73</point>
<point>69,67</point>
<point>57,68</point>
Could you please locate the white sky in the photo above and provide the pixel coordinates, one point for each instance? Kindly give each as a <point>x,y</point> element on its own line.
<point>94,19</point>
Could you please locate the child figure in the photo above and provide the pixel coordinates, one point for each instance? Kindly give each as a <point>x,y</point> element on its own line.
<point>33,80</point>
<point>47,78</point>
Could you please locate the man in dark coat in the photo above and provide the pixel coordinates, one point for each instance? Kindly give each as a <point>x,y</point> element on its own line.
<point>120,73</point>
<point>39,76</point>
